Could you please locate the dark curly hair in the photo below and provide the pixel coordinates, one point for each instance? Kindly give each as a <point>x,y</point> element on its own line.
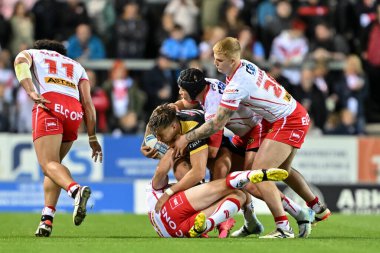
<point>161,117</point>
<point>52,45</point>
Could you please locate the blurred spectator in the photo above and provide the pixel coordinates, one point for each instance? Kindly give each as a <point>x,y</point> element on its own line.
<point>185,13</point>
<point>84,45</point>
<point>46,17</point>
<point>163,31</point>
<point>290,49</point>
<point>322,78</point>
<point>160,84</point>
<point>4,32</point>
<point>311,98</point>
<point>312,12</point>
<point>266,11</point>
<point>345,124</point>
<point>131,33</point>
<point>231,20</point>
<point>327,45</point>
<point>102,17</point>
<point>179,48</point>
<point>210,36</point>
<point>23,115</point>
<point>210,17</point>
<point>352,90</point>
<point>275,71</point>
<point>72,14</point>
<point>345,21</point>
<point>371,53</point>
<point>365,11</point>
<point>127,100</point>
<point>7,6</point>
<point>8,83</point>
<point>280,22</point>
<point>251,48</point>
<point>22,29</point>
<point>101,102</point>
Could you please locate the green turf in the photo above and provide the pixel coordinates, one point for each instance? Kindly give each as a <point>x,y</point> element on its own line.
<point>133,233</point>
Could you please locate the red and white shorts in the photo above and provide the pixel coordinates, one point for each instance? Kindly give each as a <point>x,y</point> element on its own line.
<point>178,215</point>
<point>64,117</point>
<point>251,140</point>
<point>290,130</point>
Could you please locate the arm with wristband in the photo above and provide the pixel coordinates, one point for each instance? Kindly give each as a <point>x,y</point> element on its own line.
<point>89,117</point>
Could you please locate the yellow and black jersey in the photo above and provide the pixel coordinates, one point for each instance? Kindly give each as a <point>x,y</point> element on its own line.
<point>190,120</point>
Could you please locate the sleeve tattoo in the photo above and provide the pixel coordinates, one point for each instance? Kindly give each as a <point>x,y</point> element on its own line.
<point>210,127</point>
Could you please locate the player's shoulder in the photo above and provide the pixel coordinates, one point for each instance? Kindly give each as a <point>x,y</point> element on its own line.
<point>191,115</point>
<point>213,81</point>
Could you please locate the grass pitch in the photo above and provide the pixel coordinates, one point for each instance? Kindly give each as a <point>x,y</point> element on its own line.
<point>129,233</point>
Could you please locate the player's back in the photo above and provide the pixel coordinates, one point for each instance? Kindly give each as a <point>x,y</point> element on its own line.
<point>53,72</point>
<point>253,88</point>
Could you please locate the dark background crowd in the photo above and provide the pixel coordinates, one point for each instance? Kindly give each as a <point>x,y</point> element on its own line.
<point>326,53</point>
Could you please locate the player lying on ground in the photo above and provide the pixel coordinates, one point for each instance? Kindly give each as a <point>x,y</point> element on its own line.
<point>204,206</point>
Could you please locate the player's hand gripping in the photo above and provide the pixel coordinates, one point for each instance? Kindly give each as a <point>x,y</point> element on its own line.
<point>161,201</point>
<point>180,146</point>
<point>149,152</point>
<point>39,100</point>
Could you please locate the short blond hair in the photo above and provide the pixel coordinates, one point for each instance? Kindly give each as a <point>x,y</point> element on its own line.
<point>229,46</point>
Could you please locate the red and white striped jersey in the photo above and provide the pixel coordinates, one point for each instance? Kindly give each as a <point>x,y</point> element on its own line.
<point>53,72</point>
<point>241,121</point>
<point>252,88</point>
<point>152,197</point>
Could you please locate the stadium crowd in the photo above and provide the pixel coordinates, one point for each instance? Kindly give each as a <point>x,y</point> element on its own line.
<point>326,53</point>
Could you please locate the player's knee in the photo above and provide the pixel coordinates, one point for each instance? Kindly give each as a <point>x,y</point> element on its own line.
<point>240,195</point>
<point>48,166</point>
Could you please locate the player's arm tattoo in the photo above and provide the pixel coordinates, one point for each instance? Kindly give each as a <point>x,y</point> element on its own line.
<point>210,127</point>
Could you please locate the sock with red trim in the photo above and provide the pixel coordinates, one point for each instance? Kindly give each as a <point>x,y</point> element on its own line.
<point>48,213</point>
<point>315,205</point>
<point>238,179</point>
<point>291,207</point>
<point>228,208</point>
<point>72,189</point>
<point>282,222</point>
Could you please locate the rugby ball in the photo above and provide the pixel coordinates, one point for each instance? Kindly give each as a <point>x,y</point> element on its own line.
<point>152,142</point>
